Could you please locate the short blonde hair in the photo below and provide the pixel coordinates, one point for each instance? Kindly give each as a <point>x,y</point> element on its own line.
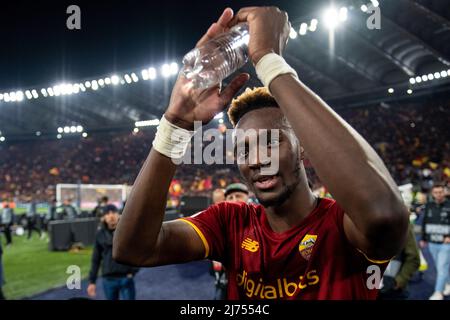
<point>251,99</point>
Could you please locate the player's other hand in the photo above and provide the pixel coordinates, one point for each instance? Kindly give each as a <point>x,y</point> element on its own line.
<point>269,30</point>
<point>188,104</point>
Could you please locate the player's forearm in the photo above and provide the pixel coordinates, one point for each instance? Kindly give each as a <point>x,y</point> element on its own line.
<point>344,161</point>
<point>140,224</point>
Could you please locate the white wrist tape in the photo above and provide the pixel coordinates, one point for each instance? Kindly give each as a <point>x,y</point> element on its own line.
<point>271,66</point>
<point>171,140</point>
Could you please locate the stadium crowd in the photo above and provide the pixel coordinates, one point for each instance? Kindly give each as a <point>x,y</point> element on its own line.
<point>413,140</point>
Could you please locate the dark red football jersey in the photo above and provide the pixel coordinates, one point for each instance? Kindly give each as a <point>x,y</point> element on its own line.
<point>312,260</point>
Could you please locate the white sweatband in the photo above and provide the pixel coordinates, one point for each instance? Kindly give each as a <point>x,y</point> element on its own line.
<point>171,140</point>
<point>271,66</point>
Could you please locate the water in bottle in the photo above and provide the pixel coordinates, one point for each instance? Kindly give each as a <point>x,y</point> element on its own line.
<point>209,64</point>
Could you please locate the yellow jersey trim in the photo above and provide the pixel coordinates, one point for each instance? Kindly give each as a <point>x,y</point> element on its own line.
<point>200,234</point>
<point>373,260</point>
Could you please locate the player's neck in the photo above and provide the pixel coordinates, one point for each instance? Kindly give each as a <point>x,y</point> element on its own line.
<point>299,205</point>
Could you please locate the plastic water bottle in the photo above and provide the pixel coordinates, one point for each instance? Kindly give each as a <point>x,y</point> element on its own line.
<point>209,64</point>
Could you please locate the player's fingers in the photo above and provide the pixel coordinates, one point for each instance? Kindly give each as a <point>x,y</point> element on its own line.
<point>235,85</point>
<point>241,16</point>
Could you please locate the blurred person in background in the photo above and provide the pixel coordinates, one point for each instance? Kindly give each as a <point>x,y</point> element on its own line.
<point>68,210</point>
<point>436,234</point>
<point>33,220</point>
<point>236,192</point>
<point>118,279</point>
<point>99,210</point>
<point>400,270</point>
<point>7,222</point>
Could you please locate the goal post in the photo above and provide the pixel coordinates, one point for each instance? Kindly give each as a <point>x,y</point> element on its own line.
<point>87,195</point>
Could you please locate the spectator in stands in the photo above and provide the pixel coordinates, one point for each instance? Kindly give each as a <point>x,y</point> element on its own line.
<point>118,279</point>
<point>400,270</point>
<point>7,222</point>
<point>236,192</point>
<point>436,233</point>
<point>2,280</point>
<point>33,220</point>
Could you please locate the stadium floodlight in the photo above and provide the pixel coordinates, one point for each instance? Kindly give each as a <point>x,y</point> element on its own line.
<point>391,90</point>
<point>38,133</point>
<point>58,136</point>
<point>2,139</point>
<point>75,88</point>
<point>147,123</point>
<point>107,80</point>
<point>220,120</point>
<point>430,76</point>
<point>412,80</point>
<point>50,92</point>
<point>174,68</point>
<point>79,129</point>
<point>60,130</point>
<point>293,33</point>
<point>437,75</point>
<point>424,78</point>
<point>219,115</point>
<point>19,95</point>
<point>409,91</point>
<point>84,134</point>
<point>375,3</point>
<point>44,92</point>
<point>94,85</point>
<point>303,29</point>
<point>134,77</point>
<point>34,93</point>
<point>73,129</point>
<point>418,79</point>
<point>343,14</point>
<point>28,94</point>
<point>115,79</point>
<point>101,82</point>
<point>165,70</point>
<point>151,73</point>
<point>135,130</point>
<point>331,18</point>
<point>6,97</point>
<point>313,25</point>
<point>364,8</point>
<point>66,129</point>
<point>144,74</point>
<point>87,84</point>
<point>444,73</point>
<point>122,82</point>
<point>56,90</point>
<point>127,78</point>
<point>82,87</point>
<point>12,96</point>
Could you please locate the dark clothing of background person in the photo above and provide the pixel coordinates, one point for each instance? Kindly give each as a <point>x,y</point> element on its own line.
<point>117,278</point>
<point>400,270</point>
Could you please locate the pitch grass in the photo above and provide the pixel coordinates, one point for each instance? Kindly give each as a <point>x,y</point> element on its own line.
<point>30,268</point>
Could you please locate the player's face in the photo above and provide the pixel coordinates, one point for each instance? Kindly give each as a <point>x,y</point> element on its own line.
<point>273,189</point>
<point>237,197</point>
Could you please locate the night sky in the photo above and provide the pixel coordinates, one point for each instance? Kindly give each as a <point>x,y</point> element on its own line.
<point>37,48</point>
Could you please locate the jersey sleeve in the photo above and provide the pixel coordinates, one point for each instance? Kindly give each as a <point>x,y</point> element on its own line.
<point>211,228</point>
<point>357,253</point>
